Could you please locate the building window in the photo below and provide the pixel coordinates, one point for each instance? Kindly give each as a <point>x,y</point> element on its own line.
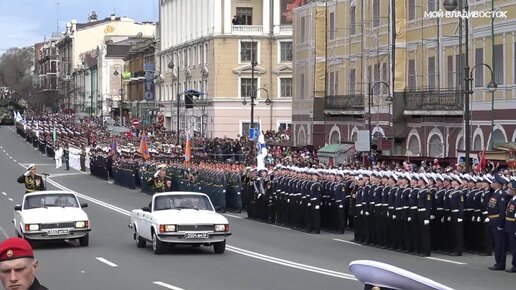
<point>451,75</point>
<point>286,51</point>
<point>352,23</point>
<point>435,146</point>
<point>246,126</point>
<point>431,72</point>
<point>336,83</point>
<point>352,76</point>
<point>286,87</point>
<point>284,126</point>
<point>331,84</point>
<point>384,78</point>
<point>412,74</point>
<point>432,5</point>
<point>413,146</point>
<point>376,73</point>
<point>246,87</point>
<point>479,70</point>
<point>411,9</point>
<point>459,68</point>
<point>376,13</point>
<point>205,53</point>
<point>332,25</point>
<point>498,64</point>
<point>244,15</point>
<point>302,86</point>
<point>302,30</point>
<point>477,143</point>
<point>248,50</point>
<point>498,137</point>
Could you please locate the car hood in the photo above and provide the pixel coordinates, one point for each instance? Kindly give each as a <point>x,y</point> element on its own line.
<point>188,216</point>
<point>53,214</point>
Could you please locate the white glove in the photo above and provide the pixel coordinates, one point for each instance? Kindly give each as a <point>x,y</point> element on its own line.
<point>449,218</point>
<point>459,220</point>
<point>393,217</point>
<point>387,214</point>
<point>288,200</point>
<point>473,219</point>
<point>499,228</point>
<point>341,206</point>
<point>479,219</point>
<point>317,207</point>
<point>409,219</point>
<point>432,217</point>
<point>27,173</point>
<point>224,191</point>
<point>367,213</point>
<point>361,212</point>
<point>259,195</point>
<point>426,222</point>
<point>442,219</point>
<point>156,174</point>
<point>486,220</point>
<point>309,204</point>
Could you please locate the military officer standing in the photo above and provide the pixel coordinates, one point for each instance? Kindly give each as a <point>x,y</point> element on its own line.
<point>496,216</point>
<point>510,223</point>
<point>314,204</point>
<point>424,209</point>
<point>31,180</point>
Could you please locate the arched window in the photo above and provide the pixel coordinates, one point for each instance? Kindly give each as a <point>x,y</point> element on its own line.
<point>477,143</point>
<point>414,146</point>
<point>498,137</point>
<point>354,137</point>
<point>460,144</point>
<point>335,137</point>
<point>377,135</point>
<point>301,137</point>
<point>435,146</point>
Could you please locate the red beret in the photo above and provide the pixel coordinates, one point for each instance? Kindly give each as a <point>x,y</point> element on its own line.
<point>15,248</point>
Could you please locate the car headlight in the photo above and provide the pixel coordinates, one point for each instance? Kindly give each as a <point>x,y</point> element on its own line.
<point>167,228</point>
<point>32,227</point>
<point>81,224</point>
<point>222,228</point>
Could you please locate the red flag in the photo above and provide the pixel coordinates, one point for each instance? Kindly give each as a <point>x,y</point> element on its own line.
<point>483,161</point>
<point>114,148</point>
<point>144,148</point>
<point>188,149</point>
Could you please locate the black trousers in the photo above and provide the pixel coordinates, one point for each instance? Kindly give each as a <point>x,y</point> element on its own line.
<point>500,246</point>
<point>457,236</point>
<point>425,246</point>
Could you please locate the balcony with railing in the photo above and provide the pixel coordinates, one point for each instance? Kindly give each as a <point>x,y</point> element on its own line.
<point>344,104</point>
<point>434,103</point>
<point>247,29</point>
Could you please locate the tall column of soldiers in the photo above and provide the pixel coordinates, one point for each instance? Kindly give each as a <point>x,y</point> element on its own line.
<point>407,212</point>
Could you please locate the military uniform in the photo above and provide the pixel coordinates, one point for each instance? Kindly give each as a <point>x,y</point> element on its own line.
<point>32,182</point>
<point>497,206</point>
<point>510,227</point>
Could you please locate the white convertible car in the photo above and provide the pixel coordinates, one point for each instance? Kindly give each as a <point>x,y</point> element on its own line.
<point>186,218</point>
<point>52,215</point>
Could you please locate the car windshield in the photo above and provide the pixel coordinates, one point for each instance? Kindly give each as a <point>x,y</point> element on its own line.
<point>198,202</point>
<point>50,200</point>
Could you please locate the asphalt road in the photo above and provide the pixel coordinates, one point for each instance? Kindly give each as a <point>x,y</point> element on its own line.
<point>258,256</point>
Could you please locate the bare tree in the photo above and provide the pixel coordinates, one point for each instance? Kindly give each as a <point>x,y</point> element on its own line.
<point>16,66</point>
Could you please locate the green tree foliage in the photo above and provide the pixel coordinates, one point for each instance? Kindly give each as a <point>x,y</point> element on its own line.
<point>16,66</point>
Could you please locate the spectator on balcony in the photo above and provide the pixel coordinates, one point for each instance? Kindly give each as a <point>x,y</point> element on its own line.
<point>235,20</point>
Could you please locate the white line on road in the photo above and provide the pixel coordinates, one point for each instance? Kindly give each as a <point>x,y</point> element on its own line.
<point>347,242</point>
<point>25,165</point>
<point>4,232</point>
<point>10,199</point>
<point>283,228</point>
<point>66,174</point>
<point>11,157</point>
<point>168,286</point>
<point>290,263</point>
<point>4,193</point>
<point>111,264</point>
<point>233,216</point>
<point>447,261</point>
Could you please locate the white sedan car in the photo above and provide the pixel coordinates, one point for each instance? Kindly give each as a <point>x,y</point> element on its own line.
<point>186,218</point>
<point>52,215</point>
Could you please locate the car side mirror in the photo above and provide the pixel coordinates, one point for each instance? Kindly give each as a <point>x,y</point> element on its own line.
<point>17,207</point>
<point>146,208</point>
<point>83,205</point>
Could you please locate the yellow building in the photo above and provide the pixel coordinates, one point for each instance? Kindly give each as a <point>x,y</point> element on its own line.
<point>417,63</point>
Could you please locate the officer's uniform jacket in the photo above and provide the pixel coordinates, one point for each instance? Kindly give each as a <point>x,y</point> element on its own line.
<point>496,208</point>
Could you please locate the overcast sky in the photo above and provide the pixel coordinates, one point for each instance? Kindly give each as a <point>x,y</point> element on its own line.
<point>25,22</point>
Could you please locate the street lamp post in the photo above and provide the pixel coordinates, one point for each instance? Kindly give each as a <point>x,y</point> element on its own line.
<point>388,100</point>
<point>178,96</point>
<point>116,73</point>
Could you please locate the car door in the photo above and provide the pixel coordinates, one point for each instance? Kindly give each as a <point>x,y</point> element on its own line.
<point>18,220</point>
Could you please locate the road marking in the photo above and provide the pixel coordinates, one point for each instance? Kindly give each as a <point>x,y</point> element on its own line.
<point>11,157</point>
<point>347,242</point>
<point>291,264</point>
<point>280,227</point>
<point>15,160</point>
<point>65,174</point>
<point>444,260</point>
<point>10,199</point>
<point>4,232</point>
<point>168,286</point>
<point>4,193</point>
<point>233,216</point>
<point>111,264</point>
<point>25,165</point>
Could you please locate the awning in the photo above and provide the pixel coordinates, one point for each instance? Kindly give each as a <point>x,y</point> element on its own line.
<point>334,149</point>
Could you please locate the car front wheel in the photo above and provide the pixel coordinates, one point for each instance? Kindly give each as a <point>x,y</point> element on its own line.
<point>219,247</point>
<point>158,247</point>
<point>84,241</point>
<point>140,242</point>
